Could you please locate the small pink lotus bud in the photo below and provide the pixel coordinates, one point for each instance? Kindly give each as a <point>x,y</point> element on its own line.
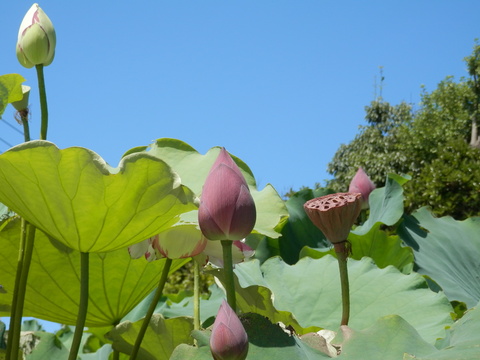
<point>229,341</point>
<point>334,214</point>
<point>362,184</point>
<point>227,210</point>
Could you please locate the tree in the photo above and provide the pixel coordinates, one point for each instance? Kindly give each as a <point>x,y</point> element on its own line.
<point>437,145</point>
<point>375,148</point>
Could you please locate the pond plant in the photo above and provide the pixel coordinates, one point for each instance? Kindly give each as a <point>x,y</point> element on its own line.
<point>91,246</point>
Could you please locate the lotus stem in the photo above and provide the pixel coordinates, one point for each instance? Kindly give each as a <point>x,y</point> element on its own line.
<point>342,251</point>
<point>16,310</point>
<point>83,305</point>
<point>43,102</point>
<point>151,309</point>
<point>116,355</point>
<point>196,295</point>
<point>12,332</point>
<point>228,271</point>
<point>25,252</point>
<point>23,115</point>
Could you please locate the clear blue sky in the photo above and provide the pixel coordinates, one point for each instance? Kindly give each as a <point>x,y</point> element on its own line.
<point>280,84</point>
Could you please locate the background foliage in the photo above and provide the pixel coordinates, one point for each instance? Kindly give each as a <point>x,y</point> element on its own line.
<point>437,144</point>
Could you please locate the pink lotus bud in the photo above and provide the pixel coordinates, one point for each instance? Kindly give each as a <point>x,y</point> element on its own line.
<point>36,39</point>
<point>362,184</point>
<point>229,341</point>
<point>227,210</point>
<point>334,214</point>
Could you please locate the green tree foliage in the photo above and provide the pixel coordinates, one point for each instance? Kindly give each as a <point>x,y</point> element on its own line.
<point>376,148</point>
<point>437,145</point>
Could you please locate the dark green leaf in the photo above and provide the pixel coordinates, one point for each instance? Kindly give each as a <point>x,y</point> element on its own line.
<point>448,251</point>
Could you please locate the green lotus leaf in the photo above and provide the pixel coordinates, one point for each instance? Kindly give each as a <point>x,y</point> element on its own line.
<point>384,249</point>
<point>266,341</point>
<point>117,283</point>
<point>462,340</point>
<point>310,290</point>
<point>317,253</point>
<point>161,338</point>
<point>48,347</point>
<point>299,230</point>
<point>386,204</point>
<point>103,353</point>
<point>184,307</point>
<point>259,300</point>
<point>10,90</point>
<point>389,338</point>
<point>75,197</point>
<point>193,168</point>
<point>448,251</point>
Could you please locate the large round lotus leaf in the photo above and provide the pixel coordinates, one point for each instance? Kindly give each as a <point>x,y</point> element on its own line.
<point>259,300</point>
<point>299,230</point>
<point>388,339</point>
<point>181,304</point>
<point>266,341</point>
<point>384,249</point>
<point>386,204</point>
<point>448,251</point>
<point>161,338</point>
<point>117,283</point>
<point>461,342</point>
<point>75,197</point>
<point>310,290</point>
<point>193,168</point>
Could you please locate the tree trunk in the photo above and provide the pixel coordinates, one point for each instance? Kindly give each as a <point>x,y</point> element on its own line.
<point>475,139</point>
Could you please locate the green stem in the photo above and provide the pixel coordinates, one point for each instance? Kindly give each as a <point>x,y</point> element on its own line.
<point>151,309</point>
<point>116,355</point>
<point>15,321</point>
<point>43,102</point>
<point>228,271</point>
<point>13,314</point>
<point>26,127</point>
<point>342,251</point>
<point>83,305</point>
<point>196,295</point>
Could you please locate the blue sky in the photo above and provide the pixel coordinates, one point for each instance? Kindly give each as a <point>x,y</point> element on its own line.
<point>280,84</point>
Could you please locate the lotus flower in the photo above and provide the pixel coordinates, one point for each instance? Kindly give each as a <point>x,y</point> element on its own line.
<point>362,184</point>
<point>178,242</point>
<point>229,341</point>
<point>144,248</point>
<point>334,214</point>
<point>36,39</point>
<point>204,251</point>
<point>227,210</point>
